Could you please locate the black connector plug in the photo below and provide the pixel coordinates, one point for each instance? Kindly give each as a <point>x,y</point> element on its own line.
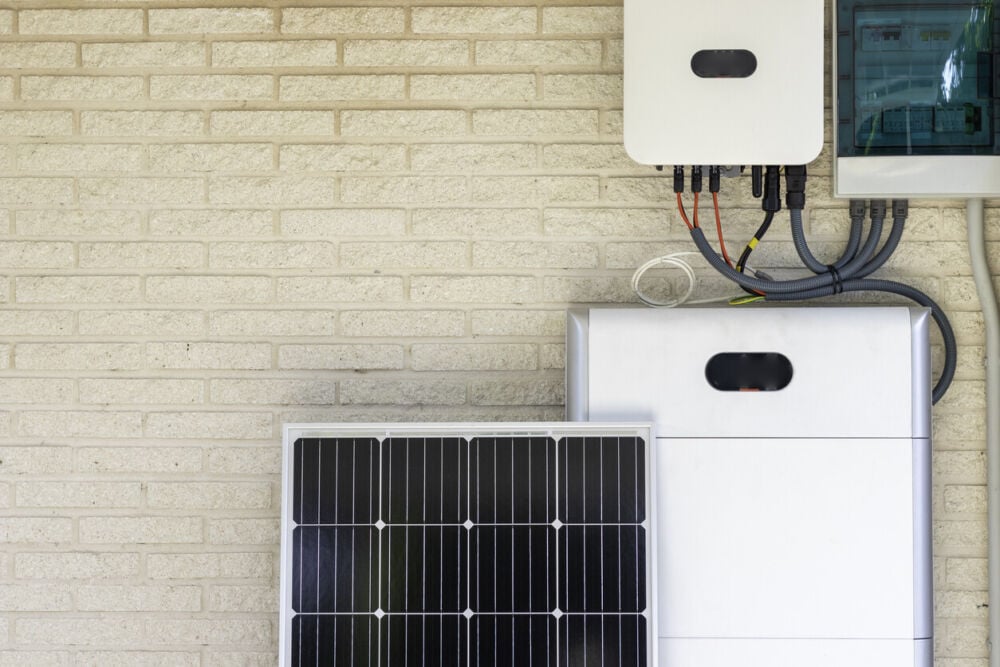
<point>877,209</point>
<point>679,180</point>
<point>772,190</point>
<point>795,187</point>
<point>714,179</point>
<point>857,208</point>
<point>757,181</point>
<point>900,208</point>
<point>696,179</point>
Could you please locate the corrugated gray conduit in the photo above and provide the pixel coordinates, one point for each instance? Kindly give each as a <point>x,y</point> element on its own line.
<point>806,255</point>
<point>991,316</point>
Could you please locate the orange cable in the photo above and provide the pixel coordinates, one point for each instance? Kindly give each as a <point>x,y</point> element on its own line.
<point>695,220</point>
<point>680,208</point>
<point>718,227</point>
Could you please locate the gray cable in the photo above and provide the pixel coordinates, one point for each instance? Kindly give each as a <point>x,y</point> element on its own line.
<point>991,316</point>
<point>806,255</point>
<point>853,241</point>
<point>895,234</point>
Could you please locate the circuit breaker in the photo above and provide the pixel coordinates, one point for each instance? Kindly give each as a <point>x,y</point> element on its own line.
<point>791,471</point>
<point>916,89</point>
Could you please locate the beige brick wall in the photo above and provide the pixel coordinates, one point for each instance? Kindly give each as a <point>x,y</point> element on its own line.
<point>222,216</point>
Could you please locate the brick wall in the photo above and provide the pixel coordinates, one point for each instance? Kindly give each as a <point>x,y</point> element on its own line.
<point>221,216</point>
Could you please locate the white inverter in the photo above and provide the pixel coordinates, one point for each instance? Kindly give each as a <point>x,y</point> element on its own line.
<point>791,472</point>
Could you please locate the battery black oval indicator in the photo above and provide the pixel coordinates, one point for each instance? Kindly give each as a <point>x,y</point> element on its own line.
<point>724,63</point>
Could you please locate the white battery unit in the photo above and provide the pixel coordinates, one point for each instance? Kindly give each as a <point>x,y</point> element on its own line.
<point>792,474</point>
<point>724,82</point>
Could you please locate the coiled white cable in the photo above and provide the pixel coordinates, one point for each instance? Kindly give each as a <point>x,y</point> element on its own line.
<point>672,260</point>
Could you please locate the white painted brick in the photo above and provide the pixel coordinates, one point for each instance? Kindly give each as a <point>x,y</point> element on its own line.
<point>402,123</point>
<point>958,427</point>
<point>16,55</point>
<point>206,631</point>
<point>19,658</point>
<point>34,597</point>
<point>224,356</point>
<point>472,157</point>
<point>538,391</point>
<point>475,222</point>
<point>340,289</point>
<point>298,53</point>
<point>257,255</point>
<point>50,223</point>
<point>269,190</point>
<point>343,222</point>
<point>6,21</point>
<point>265,659</point>
<point>200,20</point>
<point>473,289</point>
<point>265,123</point>
<point>961,604</point>
<point>959,534</point>
<point>140,530</point>
<point>553,356</point>
<point>402,323</point>
<point>243,531</point>
<point>137,659</point>
<point>588,156</point>
<point>271,323</point>
<point>514,87</point>
<point>202,223</point>
<point>34,190</point>
<point>342,157</point>
<point>420,254</point>
<point>405,53</point>
<point>80,631</point>
<point>209,425</point>
<point>144,54</point>
<point>210,157</point>
<point>241,598</point>
<point>32,254</point>
<point>138,459</point>
<point>273,392</point>
<point>615,54</point>
<point>347,20</point>
<point>531,122</point>
<point>628,223</point>
<point>339,87</point>
<point>587,289</point>
<point>402,392</point>
<point>83,88</point>
<point>6,88</point>
<point>966,573</point>
<point>965,499</point>
<point>77,494</point>
<point>104,191</point>
<point>35,459</point>
<point>139,255</point>
<point>209,289</point>
<point>80,157</point>
<point>458,20</point>
<point>129,391</point>
<point>519,322</point>
<point>141,123</point>
<point>402,189</point>
<point>565,52</point>
<point>76,565</point>
<point>527,254</point>
<point>209,495</point>
<point>140,322</point>
<point>34,530</point>
<point>80,21</point>
<point>29,390</point>
<point>340,357</point>
<point>76,289</point>
<point>593,88</point>
<point>211,87</point>
<point>80,424</point>
<point>245,460</point>
<point>594,19</point>
<point>36,123</point>
<point>78,356</point>
<point>209,565</point>
<point>535,188</point>
<point>29,322</point>
<point>960,466</point>
<point>477,357</point>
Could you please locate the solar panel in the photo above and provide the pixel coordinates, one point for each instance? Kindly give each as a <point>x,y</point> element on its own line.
<point>465,545</point>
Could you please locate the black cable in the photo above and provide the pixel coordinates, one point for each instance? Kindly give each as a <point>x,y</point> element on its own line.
<point>758,235</point>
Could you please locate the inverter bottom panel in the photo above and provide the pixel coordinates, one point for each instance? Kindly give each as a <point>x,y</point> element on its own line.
<point>795,652</point>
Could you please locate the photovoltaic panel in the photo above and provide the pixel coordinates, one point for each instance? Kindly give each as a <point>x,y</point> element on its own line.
<point>471,546</point>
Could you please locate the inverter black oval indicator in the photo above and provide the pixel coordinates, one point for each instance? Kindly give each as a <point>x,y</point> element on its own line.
<point>749,371</point>
<point>724,63</point>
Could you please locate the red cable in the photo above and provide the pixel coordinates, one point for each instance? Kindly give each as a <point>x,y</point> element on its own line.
<point>680,209</point>
<point>695,221</point>
<point>718,227</point>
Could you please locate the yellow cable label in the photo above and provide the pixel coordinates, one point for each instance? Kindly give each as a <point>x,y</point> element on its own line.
<point>752,244</point>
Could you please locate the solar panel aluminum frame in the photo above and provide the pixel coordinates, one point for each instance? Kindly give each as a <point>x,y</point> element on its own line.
<point>382,431</point>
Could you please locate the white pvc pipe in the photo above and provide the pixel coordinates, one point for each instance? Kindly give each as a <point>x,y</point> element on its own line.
<point>991,316</point>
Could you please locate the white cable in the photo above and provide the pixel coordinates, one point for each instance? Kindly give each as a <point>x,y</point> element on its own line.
<point>673,260</point>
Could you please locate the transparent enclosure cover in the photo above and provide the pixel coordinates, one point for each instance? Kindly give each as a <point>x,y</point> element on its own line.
<point>916,79</point>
